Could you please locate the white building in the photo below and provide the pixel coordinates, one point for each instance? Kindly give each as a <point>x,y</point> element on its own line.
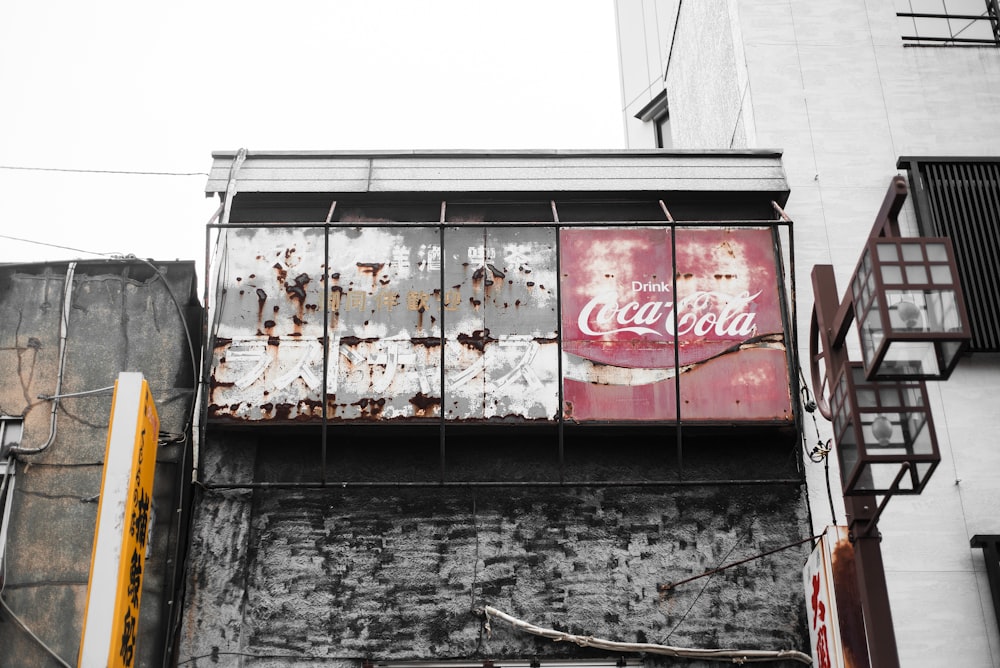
<point>853,93</point>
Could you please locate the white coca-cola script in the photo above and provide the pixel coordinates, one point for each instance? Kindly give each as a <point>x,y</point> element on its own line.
<point>702,314</point>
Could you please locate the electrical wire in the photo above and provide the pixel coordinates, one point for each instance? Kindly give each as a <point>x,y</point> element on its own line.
<point>43,243</point>
<point>67,299</point>
<point>24,627</point>
<point>729,655</point>
<point>672,585</point>
<point>705,586</point>
<point>3,580</point>
<point>22,168</point>
<point>821,451</point>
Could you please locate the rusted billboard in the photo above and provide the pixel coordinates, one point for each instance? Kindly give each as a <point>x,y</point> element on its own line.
<point>368,323</point>
<point>626,336</point>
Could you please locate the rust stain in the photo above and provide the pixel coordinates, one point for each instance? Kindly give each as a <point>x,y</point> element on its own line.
<point>371,268</point>
<point>371,409</point>
<point>423,405</point>
<point>281,272</point>
<point>477,340</point>
<point>298,290</point>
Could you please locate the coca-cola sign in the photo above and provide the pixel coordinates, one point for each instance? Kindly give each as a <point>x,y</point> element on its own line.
<point>632,324</point>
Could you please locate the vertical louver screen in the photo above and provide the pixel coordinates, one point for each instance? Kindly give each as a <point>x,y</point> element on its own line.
<point>960,199</point>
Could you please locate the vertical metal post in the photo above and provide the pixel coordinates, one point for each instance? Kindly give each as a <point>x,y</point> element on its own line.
<point>864,535</point>
<point>677,352</point>
<point>559,344</point>
<point>862,511</point>
<point>441,310</point>
<point>326,337</point>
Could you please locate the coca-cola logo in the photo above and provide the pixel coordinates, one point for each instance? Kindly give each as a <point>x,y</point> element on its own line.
<point>701,314</point>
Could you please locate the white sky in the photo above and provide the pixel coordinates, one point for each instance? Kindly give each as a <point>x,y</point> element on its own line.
<point>128,86</point>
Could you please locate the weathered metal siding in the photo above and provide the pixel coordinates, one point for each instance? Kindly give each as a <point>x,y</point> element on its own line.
<point>383,325</point>
<point>502,356</point>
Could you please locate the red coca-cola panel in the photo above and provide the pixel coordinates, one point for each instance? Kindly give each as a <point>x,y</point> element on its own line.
<point>629,341</point>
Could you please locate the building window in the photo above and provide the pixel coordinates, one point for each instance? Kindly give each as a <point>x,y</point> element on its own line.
<point>959,198</point>
<point>949,22</point>
<point>657,112</point>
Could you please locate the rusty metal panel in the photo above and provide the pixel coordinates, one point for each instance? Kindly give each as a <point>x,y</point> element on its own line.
<point>383,329</point>
<point>618,333</point>
<point>385,355</point>
<point>267,358</point>
<point>501,356</point>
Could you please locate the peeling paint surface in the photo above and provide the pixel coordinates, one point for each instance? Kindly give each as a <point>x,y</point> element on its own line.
<point>618,312</point>
<point>382,340</point>
<point>368,323</point>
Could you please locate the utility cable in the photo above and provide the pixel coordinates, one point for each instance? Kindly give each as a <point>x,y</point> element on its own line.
<point>821,451</point>
<point>727,655</point>
<point>664,588</point>
<point>24,627</point>
<point>67,299</point>
<point>705,586</point>
<point>43,243</point>
<point>3,581</point>
<point>22,168</point>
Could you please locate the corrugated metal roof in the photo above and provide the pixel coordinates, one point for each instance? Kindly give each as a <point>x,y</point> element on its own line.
<point>500,171</point>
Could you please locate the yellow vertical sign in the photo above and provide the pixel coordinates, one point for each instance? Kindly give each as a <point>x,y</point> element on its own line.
<point>114,591</point>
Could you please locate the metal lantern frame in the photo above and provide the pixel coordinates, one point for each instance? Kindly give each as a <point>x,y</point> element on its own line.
<point>884,432</point>
<point>909,309</point>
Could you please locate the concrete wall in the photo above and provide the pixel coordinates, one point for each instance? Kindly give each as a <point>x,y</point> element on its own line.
<point>122,318</point>
<point>832,85</point>
<point>291,576</point>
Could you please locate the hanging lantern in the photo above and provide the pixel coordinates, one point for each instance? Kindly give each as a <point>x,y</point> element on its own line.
<point>884,433</point>
<point>909,308</point>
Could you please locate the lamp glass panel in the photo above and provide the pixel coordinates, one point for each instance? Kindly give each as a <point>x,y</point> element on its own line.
<point>936,252</point>
<point>909,358</point>
<point>916,273</point>
<point>887,253</point>
<point>872,333</point>
<point>942,310</point>
<point>847,454</point>
<point>883,434</point>
<point>920,434</point>
<point>941,274</point>
<point>879,476</point>
<point>912,251</point>
<point>892,273</point>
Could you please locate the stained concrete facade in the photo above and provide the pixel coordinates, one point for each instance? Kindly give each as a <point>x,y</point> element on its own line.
<point>126,315</point>
<point>833,85</point>
<point>335,544</point>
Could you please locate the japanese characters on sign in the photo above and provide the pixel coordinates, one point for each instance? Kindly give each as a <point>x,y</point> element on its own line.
<point>123,527</point>
<point>494,290</point>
